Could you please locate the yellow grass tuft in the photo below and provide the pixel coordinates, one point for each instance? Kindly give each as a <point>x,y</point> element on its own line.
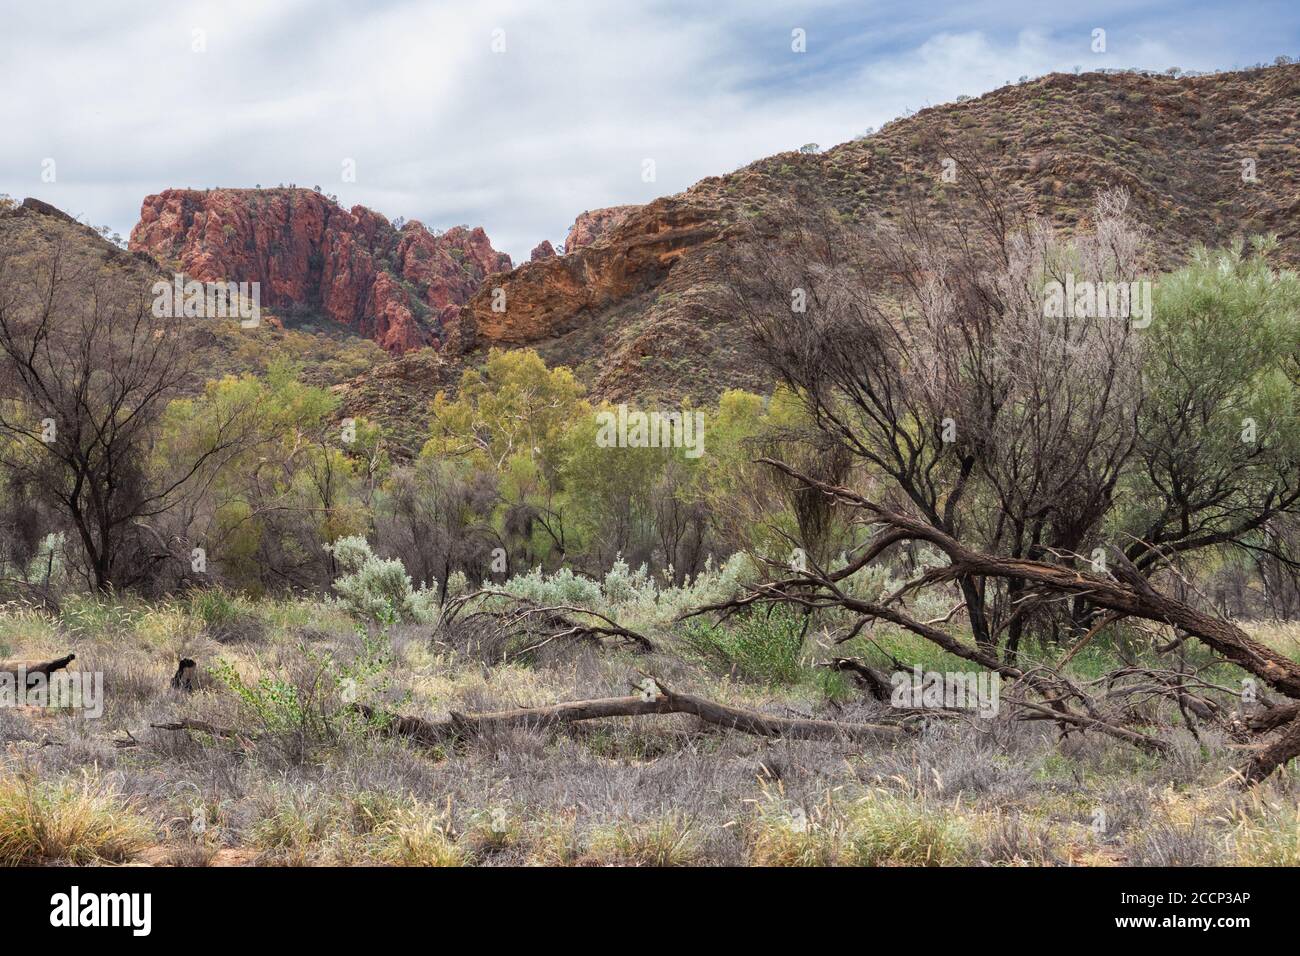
<point>67,822</point>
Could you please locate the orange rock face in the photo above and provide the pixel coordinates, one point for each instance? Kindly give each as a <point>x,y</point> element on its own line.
<point>551,296</point>
<point>396,287</point>
<point>593,224</point>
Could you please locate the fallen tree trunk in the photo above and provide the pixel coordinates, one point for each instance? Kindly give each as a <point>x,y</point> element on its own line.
<point>876,682</point>
<point>1273,717</point>
<point>461,726</point>
<point>1268,757</point>
<point>1142,741</point>
<point>29,668</point>
<point>1118,594</point>
<point>1119,589</point>
<point>199,726</point>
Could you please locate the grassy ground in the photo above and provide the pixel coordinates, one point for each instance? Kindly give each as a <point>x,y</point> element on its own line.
<point>294,786</point>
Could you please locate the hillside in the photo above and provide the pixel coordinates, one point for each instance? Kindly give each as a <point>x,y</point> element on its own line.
<point>627,309</point>
<point>626,305</point>
<point>328,356</point>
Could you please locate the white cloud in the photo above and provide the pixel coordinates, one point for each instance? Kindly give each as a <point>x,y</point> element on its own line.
<point>444,130</point>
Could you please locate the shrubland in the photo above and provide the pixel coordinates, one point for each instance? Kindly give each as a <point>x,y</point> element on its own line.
<point>940,479</point>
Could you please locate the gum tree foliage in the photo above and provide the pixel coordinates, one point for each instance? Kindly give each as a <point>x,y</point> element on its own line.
<point>751,507</point>
<point>1217,444</point>
<point>509,419</point>
<point>513,463</point>
<point>298,483</point>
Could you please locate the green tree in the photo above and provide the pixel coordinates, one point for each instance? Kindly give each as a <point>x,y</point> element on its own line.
<point>1218,434</point>
<point>510,418</point>
<point>303,481</point>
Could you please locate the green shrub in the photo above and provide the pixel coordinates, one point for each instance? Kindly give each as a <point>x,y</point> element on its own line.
<point>562,587</point>
<point>763,646</point>
<point>378,589</point>
<point>315,705</point>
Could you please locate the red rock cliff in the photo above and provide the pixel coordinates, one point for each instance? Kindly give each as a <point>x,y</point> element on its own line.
<point>396,287</point>
<point>551,296</point>
<point>593,224</point>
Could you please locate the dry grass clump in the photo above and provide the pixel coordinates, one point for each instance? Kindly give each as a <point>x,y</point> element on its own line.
<point>884,829</point>
<point>494,831</point>
<point>366,828</point>
<point>67,821</point>
<point>415,837</point>
<point>1266,833</point>
<point>670,839</point>
<point>880,828</point>
<point>554,841</point>
<point>1015,839</point>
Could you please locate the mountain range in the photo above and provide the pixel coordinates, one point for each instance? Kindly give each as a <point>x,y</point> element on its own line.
<point>387,313</point>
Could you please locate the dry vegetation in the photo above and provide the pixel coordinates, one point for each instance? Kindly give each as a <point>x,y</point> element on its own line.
<point>290,789</point>
<point>298,666</point>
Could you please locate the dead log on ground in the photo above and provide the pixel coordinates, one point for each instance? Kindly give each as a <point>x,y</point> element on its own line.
<point>199,726</point>
<point>31,668</point>
<point>460,726</point>
<point>1273,717</point>
<point>551,623</point>
<point>1274,754</point>
<point>874,681</point>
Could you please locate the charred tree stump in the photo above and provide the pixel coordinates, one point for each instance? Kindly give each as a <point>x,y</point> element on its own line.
<point>184,677</point>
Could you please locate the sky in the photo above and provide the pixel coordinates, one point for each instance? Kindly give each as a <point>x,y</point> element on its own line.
<point>517,116</point>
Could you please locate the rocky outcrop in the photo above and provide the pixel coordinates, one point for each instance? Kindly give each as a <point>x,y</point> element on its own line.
<point>543,250</point>
<point>593,224</point>
<point>633,305</point>
<point>397,393</point>
<point>398,287</point>
<point>34,206</point>
<point>546,298</point>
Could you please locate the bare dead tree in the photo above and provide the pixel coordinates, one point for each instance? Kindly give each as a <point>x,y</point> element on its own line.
<point>922,351</point>
<point>510,618</point>
<point>435,520</point>
<point>999,434</point>
<point>86,372</point>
